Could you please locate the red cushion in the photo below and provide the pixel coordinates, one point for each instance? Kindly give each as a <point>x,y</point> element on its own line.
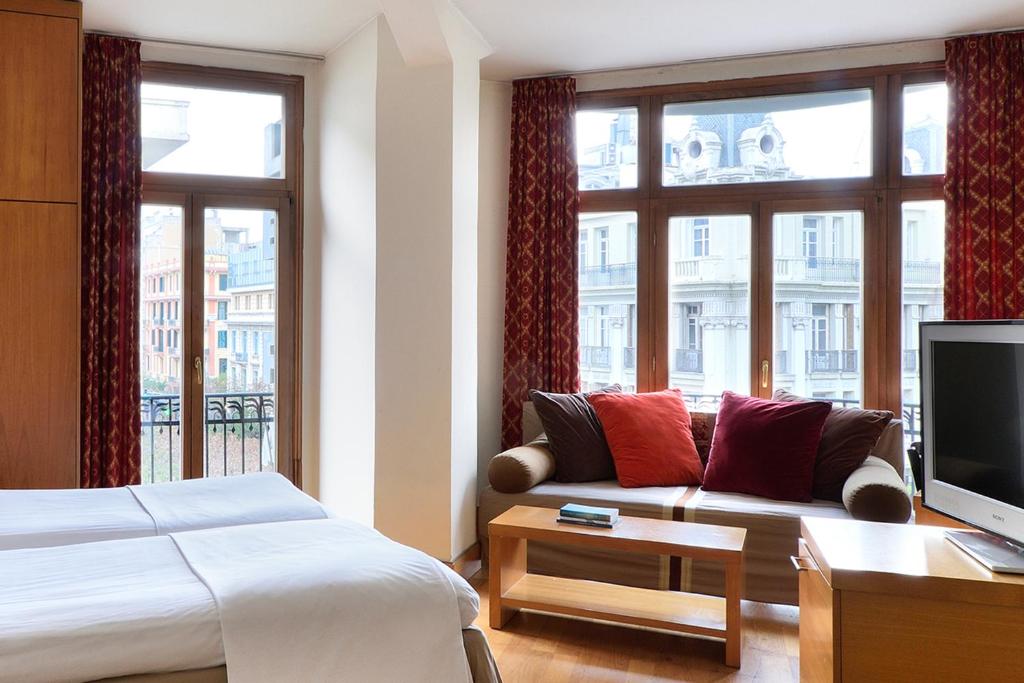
<point>649,437</point>
<point>765,448</point>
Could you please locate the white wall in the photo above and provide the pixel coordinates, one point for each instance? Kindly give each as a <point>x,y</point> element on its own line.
<point>495,132</point>
<point>340,273</point>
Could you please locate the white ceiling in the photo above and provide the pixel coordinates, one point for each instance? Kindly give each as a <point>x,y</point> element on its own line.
<point>310,27</point>
<point>533,37</point>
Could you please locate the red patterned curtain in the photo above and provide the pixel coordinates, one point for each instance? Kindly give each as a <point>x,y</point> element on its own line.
<point>985,178</point>
<point>541,301</point>
<point>111,194</point>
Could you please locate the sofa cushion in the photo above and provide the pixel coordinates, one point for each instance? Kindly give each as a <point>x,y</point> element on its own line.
<point>649,437</point>
<point>765,448</point>
<point>847,438</point>
<point>575,436</point>
<point>520,469</point>
<point>875,492</point>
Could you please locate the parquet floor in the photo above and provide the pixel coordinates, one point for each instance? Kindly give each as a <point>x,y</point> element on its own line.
<point>537,648</point>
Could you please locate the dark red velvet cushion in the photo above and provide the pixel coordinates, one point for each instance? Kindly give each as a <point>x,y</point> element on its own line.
<point>649,437</point>
<point>765,448</point>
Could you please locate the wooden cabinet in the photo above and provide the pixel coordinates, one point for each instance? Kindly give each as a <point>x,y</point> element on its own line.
<point>40,170</point>
<point>897,602</point>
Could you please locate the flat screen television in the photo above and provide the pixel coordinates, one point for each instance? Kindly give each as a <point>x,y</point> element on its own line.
<point>972,418</point>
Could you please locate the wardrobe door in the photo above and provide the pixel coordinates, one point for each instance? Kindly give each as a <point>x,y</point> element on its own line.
<point>39,95</point>
<point>39,350</point>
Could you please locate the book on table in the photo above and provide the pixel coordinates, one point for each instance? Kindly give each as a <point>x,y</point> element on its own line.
<point>586,522</point>
<point>574,511</point>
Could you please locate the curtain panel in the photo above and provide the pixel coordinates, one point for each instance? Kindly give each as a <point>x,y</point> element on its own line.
<point>984,188</point>
<point>111,196</point>
<point>541,300</point>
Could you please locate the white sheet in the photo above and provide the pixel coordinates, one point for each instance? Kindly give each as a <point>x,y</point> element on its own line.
<point>225,501</point>
<point>39,518</point>
<point>328,601</point>
<point>97,610</point>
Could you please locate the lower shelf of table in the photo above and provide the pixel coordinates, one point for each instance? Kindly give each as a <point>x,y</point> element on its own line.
<point>670,610</point>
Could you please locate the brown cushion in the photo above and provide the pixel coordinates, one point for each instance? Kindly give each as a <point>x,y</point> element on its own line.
<point>520,469</point>
<point>702,426</point>
<point>575,436</point>
<point>847,438</point>
<point>875,492</point>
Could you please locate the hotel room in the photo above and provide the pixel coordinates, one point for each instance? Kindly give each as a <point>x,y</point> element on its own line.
<point>487,341</point>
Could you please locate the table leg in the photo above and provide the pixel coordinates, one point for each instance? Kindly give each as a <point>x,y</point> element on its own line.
<point>733,615</point>
<point>507,562</point>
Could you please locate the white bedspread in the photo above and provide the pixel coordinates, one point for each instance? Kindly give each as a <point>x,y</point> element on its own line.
<point>328,601</point>
<point>98,610</point>
<point>38,518</point>
<point>225,501</point>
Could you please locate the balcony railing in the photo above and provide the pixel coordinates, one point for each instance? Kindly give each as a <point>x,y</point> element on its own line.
<point>629,357</point>
<point>817,269</point>
<point>922,272</point>
<point>239,435</point>
<point>611,275</point>
<point>689,360</point>
<point>782,362</point>
<point>596,357</point>
<point>831,361</point>
<point>909,360</point>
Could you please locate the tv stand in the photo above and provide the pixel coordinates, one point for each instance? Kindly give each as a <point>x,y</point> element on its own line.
<point>996,554</point>
<point>899,603</point>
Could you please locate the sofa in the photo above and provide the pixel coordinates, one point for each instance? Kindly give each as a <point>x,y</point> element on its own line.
<point>872,492</point>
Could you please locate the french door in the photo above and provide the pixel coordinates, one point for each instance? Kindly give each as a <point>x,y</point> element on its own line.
<point>754,296</point>
<point>218,334</point>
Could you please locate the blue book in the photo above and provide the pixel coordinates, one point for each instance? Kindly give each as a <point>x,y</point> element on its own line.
<point>575,511</point>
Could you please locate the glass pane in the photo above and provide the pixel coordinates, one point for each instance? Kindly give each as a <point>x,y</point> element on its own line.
<point>923,249</point>
<point>213,132</point>
<point>758,139</point>
<point>709,307</point>
<point>818,305</point>
<point>924,129</point>
<point>240,341</point>
<point>160,316</point>
<point>607,254</point>
<point>606,148</point>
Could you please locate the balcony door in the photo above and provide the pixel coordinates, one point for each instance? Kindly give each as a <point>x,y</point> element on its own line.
<point>216,286</point>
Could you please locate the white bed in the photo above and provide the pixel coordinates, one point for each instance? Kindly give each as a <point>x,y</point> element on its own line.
<point>46,518</point>
<point>301,600</point>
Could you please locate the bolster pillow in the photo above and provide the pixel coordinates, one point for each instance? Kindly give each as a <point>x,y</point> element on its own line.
<point>875,492</point>
<point>520,469</point>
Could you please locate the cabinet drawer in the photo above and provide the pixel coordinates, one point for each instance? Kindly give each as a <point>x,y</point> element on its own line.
<point>819,629</point>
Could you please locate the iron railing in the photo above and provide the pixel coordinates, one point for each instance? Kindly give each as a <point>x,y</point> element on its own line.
<point>689,360</point>
<point>832,361</point>
<point>629,357</point>
<point>239,434</point>
<point>922,272</point>
<point>610,275</point>
<point>909,360</point>
<point>596,357</point>
<point>782,362</point>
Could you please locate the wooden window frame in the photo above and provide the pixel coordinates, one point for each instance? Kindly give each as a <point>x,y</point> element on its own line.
<point>879,196</point>
<point>194,192</point>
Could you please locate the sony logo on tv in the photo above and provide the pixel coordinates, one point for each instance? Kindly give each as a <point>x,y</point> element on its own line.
<point>998,518</point>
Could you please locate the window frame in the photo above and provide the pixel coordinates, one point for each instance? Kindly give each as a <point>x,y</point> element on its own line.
<point>194,193</point>
<point>878,196</point>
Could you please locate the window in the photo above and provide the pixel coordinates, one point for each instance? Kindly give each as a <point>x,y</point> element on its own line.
<point>186,130</point>
<point>220,163</point>
<point>606,148</point>
<point>795,182</point>
<point>924,129</point>
<point>608,302</point>
<point>701,233</point>
<point>777,138</point>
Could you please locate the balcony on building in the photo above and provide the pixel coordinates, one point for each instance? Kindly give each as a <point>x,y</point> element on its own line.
<point>844,360</point>
<point>688,360</point>
<point>166,128</point>
<point>608,275</point>
<point>599,357</point>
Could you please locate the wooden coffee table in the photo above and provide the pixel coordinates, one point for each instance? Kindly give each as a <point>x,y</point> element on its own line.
<point>512,588</point>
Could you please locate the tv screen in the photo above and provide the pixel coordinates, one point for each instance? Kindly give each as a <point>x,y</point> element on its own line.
<point>977,391</point>
<point>972,423</point>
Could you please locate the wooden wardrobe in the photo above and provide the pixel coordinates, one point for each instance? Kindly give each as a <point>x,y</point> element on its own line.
<point>40,188</point>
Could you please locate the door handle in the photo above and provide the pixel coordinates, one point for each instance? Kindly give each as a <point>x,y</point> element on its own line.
<point>802,564</point>
<point>198,363</point>
<point>764,374</point>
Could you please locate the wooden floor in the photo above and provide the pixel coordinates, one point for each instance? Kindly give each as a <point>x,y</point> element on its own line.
<point>535,648</point>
